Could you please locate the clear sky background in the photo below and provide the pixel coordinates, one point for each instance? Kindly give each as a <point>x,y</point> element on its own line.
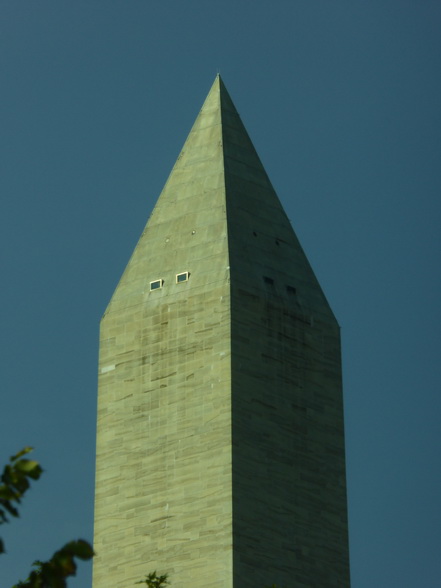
<point>342,101</point>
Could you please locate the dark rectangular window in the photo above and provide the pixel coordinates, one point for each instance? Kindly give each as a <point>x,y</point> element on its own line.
<point>182,277</point>
<point>155,285</point>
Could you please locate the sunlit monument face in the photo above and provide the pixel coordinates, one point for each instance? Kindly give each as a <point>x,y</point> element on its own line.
<point>220,447</point>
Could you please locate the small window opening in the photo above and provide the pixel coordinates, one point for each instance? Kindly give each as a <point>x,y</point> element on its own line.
<point>268,280</point>
<point>182,277</point>
<point>254,233</point>
<point>156,284</point>
<point>277,242</point>
<point>291,290</point>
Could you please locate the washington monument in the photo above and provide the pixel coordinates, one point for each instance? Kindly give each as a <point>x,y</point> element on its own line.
<point>220,445</point>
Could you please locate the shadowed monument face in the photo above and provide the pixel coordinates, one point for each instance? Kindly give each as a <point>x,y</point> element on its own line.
<point>220,444</point>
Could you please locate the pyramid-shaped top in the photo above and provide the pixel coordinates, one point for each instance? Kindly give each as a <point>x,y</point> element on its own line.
<point>220,445</point>
<point>219,201</point>
<point>217,143</point>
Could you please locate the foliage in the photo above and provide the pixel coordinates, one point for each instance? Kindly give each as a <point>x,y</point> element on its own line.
<point>14,483</point>
<point>53,573</point>
<point>154,581</point>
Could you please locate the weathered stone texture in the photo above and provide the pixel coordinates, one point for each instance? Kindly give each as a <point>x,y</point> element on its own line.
<point>220,447</point>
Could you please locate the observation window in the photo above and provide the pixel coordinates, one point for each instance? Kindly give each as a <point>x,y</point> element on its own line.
<point>182,277</point>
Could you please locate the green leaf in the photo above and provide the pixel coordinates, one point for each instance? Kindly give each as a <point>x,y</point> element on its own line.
<point>14,482</point>
<point>154,581</point>
<point>29,467</point>
<point>80,548</point>
<point>24,451</point>
<point>6,493</point>
<point>53,573</point>
<point>11,509</point>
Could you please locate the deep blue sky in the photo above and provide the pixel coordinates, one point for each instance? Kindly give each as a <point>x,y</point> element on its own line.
<point>342,100</point>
